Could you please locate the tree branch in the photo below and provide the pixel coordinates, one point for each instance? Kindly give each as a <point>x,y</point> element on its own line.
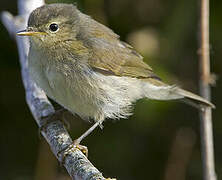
<point>77,165</point>
<point>205,79</point>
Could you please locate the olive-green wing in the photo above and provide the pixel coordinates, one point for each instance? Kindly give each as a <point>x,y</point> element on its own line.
<point>117,58</point>
<point>109,55</point>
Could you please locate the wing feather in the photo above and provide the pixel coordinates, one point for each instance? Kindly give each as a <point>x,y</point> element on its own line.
<point>109,55</point>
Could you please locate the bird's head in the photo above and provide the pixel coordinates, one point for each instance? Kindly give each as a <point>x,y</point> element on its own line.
<point>53,23</point>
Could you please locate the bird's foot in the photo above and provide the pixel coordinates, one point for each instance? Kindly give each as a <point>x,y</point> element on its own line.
<point>75,145</point>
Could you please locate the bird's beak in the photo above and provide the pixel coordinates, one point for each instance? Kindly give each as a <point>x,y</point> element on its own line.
<point>29,32</point>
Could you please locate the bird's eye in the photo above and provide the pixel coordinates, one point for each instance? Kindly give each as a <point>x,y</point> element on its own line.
<point>53,27</point>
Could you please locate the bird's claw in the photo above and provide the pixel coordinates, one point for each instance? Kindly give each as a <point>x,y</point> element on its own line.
<point>83,149</point>
<point>75,145</point>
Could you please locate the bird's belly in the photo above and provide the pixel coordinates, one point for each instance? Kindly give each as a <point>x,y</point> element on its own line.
<point>65,92</point>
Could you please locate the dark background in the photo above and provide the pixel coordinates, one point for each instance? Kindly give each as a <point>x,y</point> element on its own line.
<point>161,141</point>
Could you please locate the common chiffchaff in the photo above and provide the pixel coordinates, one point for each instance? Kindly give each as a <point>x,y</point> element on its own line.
<point>83,66</point>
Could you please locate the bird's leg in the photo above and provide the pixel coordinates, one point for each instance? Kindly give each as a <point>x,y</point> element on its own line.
<point>98,123</point>
<point>76,142</point>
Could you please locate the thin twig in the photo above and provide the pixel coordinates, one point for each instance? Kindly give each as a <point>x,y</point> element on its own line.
<point>77,165</point>
<point>205,78</point>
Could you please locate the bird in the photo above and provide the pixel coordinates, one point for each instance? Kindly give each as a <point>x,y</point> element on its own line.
<point>84,66</point>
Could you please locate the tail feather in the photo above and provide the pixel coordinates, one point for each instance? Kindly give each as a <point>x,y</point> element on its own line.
<point>193,99</point>
<point>161,91</point>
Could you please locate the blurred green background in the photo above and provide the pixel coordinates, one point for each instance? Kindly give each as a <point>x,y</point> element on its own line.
<point>161,140</point>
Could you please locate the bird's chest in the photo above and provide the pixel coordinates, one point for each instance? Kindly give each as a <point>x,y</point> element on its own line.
<point>65,84</point>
